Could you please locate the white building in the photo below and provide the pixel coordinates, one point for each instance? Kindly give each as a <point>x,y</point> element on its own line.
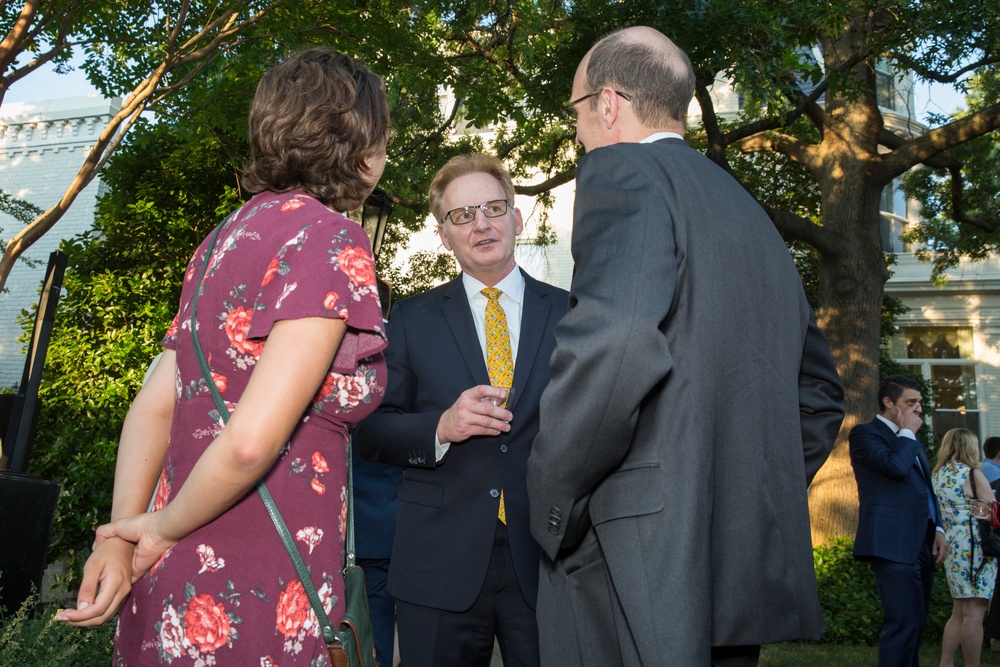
<point>42,147</point>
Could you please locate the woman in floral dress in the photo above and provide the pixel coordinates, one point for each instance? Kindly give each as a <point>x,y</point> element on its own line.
<point>970,576</point>
<point>289,321</point>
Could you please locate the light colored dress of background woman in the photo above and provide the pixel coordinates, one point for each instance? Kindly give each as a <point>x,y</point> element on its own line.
<point>290,323</point>
<point>970,576</point>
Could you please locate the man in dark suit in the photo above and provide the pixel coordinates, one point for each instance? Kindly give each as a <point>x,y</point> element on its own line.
<point>900,532</point>
<point>692,396</point>
<point>464,565</point>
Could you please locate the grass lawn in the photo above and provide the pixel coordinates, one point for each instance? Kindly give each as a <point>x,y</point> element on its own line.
<point>821,655</point>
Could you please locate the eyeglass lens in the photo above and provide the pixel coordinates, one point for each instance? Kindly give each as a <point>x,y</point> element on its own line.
<point>466,214</point>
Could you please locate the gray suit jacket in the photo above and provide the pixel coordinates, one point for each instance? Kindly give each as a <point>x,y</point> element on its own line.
<point>692,400</point>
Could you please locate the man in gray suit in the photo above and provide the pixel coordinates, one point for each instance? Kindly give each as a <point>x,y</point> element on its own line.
<point>692,399</point>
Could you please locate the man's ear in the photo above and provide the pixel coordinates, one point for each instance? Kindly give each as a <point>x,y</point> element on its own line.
<point>608,106</point>
<point>444,238</point>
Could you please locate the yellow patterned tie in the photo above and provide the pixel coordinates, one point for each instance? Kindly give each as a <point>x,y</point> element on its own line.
<point>499,360</point>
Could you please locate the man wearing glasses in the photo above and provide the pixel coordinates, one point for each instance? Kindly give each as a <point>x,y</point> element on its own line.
<point>464,566</point>
<point>692,400</point>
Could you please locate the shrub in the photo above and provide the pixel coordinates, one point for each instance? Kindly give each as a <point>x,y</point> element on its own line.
<point>32,637</point>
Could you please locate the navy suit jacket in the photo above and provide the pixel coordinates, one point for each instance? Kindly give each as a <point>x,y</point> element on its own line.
<point>447,510</point>
<point>893,492</point>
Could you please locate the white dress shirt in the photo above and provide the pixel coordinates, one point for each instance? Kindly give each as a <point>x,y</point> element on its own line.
<point>512,301</point>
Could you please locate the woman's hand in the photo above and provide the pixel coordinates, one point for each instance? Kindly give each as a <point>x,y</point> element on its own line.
<point>107,579</point>
<point>142,530</point>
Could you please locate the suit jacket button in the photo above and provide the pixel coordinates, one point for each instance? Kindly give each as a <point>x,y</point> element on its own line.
<point>503,448</point>
<point>553,530</point>
<point>494,493</point>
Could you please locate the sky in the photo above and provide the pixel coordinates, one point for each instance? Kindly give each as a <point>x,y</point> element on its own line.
<point>45,84</point>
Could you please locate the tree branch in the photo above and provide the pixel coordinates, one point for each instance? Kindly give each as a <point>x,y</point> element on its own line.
<point>546,185</point>
<point>922,149</point>
<point>796,228</point>
<point>910,63</point>
<point>801,151</point>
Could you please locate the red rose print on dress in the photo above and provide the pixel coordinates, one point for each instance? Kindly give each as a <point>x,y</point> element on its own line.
<point>293,609</point>
<point>317,486</point>
<point>310,535</point>
<point>206,623</point>
<point>172,640</point>
<point>292,204</point>
<point>319,463</point>
<point>330,300</point>
<point>220,381</point>
<point>357,263</point>
<point>329,383</point>
<point>172,329</point>
<point>237,325</point>
<point>162,491</point>
<point>272,271</point>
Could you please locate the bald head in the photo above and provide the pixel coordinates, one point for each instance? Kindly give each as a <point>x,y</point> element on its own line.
<point>647,65</point>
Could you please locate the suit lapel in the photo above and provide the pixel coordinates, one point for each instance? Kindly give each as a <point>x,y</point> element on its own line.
<point>459,317</point>
<point>923,469</point>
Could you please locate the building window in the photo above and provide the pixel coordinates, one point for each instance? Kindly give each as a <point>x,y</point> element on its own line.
<point>893,210</point>
<point>893,90</point>
<point>944,356</point>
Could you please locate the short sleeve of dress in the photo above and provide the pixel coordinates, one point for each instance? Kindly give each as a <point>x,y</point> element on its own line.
<point>325,270</point>
<point>169,340</point>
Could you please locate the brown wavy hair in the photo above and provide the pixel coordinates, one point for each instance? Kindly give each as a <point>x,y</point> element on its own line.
<point>314,119</point>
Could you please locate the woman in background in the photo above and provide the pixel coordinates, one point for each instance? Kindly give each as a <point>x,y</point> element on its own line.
<point>970,576</point>
<point>289,321</point>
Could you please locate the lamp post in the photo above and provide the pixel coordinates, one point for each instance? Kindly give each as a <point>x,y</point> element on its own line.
<point>375,214</point>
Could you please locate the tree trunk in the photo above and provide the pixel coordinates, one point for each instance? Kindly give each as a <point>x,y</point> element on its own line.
<point>852,282</point>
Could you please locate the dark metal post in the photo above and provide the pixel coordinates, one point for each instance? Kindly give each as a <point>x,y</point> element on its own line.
<point>21,428</point>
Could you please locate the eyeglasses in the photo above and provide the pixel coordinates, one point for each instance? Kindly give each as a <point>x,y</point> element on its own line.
<point>570,107</point>
<point>466,214</point>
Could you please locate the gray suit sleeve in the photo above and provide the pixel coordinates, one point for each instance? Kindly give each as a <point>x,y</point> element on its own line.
<point>821,400</point>
<point>610,351</point>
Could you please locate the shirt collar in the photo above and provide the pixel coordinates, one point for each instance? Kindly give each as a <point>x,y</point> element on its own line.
<point>661,135</point>
<point>512,286</point>
<point>895,429</point>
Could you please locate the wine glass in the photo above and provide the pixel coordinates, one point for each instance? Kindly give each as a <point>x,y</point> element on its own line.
<point>500,402</point>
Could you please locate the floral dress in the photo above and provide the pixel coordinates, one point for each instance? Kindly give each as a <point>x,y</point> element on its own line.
<point>228,594</point>
<point>961,564</point>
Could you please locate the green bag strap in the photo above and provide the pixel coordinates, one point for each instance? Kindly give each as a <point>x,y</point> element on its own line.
<point>265,495</point>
